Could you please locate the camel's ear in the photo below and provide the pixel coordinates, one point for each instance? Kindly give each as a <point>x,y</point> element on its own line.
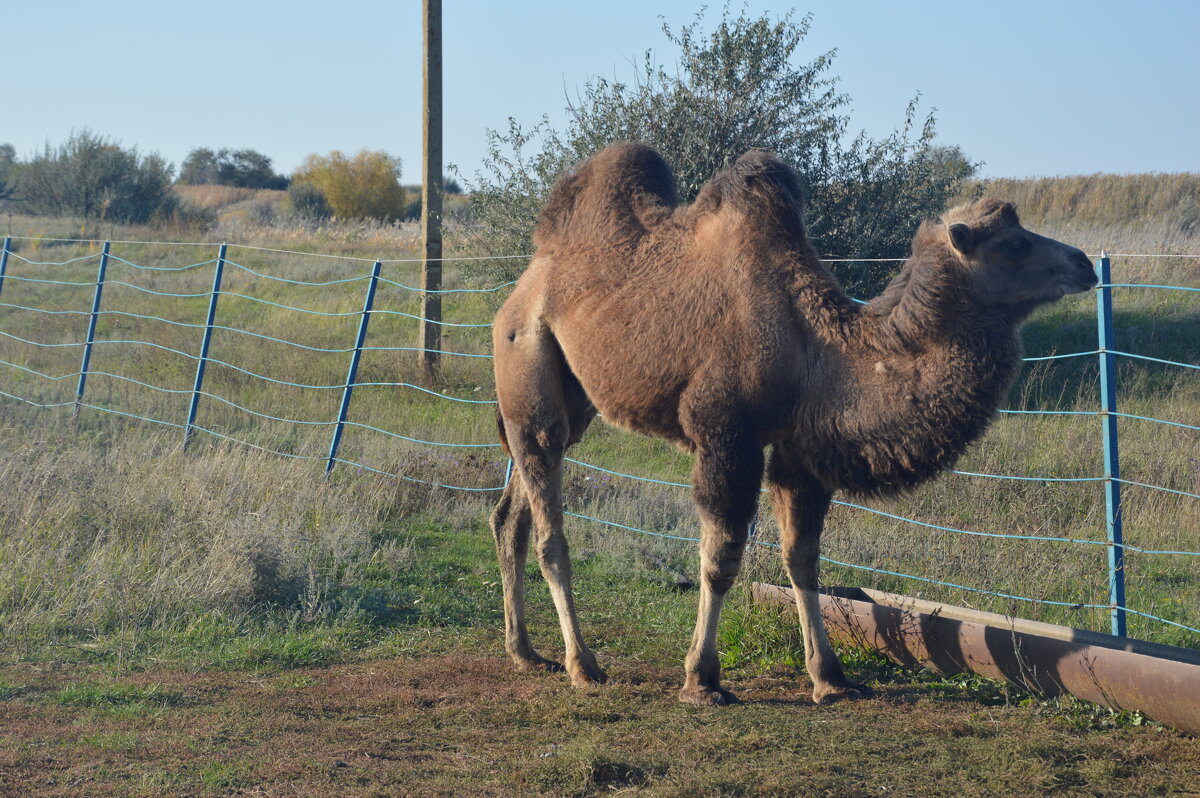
<point>1008,212</point>
<point>962,238</point>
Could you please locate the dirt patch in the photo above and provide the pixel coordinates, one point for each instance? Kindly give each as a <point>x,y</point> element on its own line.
<point>468,725</point>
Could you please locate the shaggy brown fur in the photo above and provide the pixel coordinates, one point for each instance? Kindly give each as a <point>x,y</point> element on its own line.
<point>716,327</point>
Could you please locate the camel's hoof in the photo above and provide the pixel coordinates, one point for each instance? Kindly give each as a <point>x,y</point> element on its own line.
<point>831,693</point>
<point>707,696</point>
<point>588,678</point>
<point>541,664</point>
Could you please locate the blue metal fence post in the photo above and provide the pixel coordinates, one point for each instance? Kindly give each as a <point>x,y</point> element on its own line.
<point>1112,464</point>
<point>91,331</point>
<point>189,428</point>
<point>4,260</point>
<point>352,374</point>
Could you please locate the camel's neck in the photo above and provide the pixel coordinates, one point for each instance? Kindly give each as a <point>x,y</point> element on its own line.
<point>927,369</point>
<point>928,301</point>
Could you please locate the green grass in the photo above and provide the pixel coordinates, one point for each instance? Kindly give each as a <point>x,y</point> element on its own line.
<point>224,775</point>
<point>117,700</point>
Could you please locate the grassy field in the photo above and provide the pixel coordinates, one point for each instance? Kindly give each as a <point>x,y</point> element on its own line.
<point>398,685</point>
<point>224,619</point>
<point>1159,323</point>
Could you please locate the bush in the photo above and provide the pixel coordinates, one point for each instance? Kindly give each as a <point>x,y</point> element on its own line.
<point>8,160</point>
<point>452,200</point>
<point>94,178</point>
<point>367,185</point>
<point>734,89</point>
<point>244,168</point>
<point>306,201</point>
<point>412,210</point>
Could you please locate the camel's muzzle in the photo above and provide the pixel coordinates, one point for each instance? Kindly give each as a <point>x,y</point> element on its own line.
<point>1082,275</point>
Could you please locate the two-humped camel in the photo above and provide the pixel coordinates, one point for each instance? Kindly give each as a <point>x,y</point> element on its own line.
<point>716,327</point>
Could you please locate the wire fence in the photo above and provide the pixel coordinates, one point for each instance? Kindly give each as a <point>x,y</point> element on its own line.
<point>40,330</point>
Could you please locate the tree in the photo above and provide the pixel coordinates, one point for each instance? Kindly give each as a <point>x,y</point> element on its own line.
<point>8,161</point>
<point>735,88</point>
<point>244,168</point>
<point>367,185</point>
<point>95,178</point>
<point>953,162</point>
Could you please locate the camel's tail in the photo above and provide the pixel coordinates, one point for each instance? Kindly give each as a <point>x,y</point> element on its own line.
<point>763,189</point>
<point>611,197</point>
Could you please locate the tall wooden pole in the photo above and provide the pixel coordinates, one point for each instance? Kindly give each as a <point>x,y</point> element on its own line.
<point>431,191</point>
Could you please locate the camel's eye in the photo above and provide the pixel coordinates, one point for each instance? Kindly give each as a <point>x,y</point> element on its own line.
<point>1018,247</point>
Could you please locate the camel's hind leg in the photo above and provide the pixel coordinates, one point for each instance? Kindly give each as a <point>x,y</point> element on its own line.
<point>800,505</point>
<point>511,522</point>
<point>543,411</point>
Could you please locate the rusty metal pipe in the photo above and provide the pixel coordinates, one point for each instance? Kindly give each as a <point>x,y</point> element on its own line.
<point>1162,682</point>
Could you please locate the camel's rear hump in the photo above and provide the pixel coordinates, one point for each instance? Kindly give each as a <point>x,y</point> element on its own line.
<point>763,189</point>
<point>611,198</point>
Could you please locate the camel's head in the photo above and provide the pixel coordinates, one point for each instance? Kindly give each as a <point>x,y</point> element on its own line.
<point>1010,265</point>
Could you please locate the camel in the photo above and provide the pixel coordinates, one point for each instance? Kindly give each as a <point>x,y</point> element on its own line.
<point>717,327</point>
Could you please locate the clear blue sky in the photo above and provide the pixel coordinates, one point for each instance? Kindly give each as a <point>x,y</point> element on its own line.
<point>1031,88</point>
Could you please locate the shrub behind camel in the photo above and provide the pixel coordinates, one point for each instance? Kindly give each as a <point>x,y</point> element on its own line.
<point>716,327</point>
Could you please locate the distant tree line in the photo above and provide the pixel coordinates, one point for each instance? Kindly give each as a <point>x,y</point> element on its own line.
<point>94,178</point>
<point>88,176</point>
<point>225,167</point>
<point>8,162</point>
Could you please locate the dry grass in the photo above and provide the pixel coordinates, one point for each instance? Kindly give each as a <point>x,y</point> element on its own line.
<point>213,197</point>
<point>254,221</point>
<point>1169,201</point>
<point>1150,322</point>
<point>130,533</point>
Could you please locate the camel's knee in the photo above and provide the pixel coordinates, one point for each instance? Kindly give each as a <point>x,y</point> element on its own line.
<point>721,576</point>
<point>804,552</point>
<point>511,520</point>
<point>801,552</point>
<point>553,552</point>
<point>721,559</point>
<point>732,504</point>
<point>500,517</point>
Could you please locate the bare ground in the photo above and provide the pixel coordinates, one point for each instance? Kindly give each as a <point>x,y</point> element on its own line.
<point>470,725</point>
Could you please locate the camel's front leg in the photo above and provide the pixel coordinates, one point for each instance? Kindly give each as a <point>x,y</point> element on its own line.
<point>800,505</point>
<point>726,493</point>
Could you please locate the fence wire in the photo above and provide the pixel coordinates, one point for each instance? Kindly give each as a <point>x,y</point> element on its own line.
<point>45,271</point>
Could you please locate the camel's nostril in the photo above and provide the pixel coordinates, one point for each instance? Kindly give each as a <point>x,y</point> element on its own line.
<point>1084,264</point>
